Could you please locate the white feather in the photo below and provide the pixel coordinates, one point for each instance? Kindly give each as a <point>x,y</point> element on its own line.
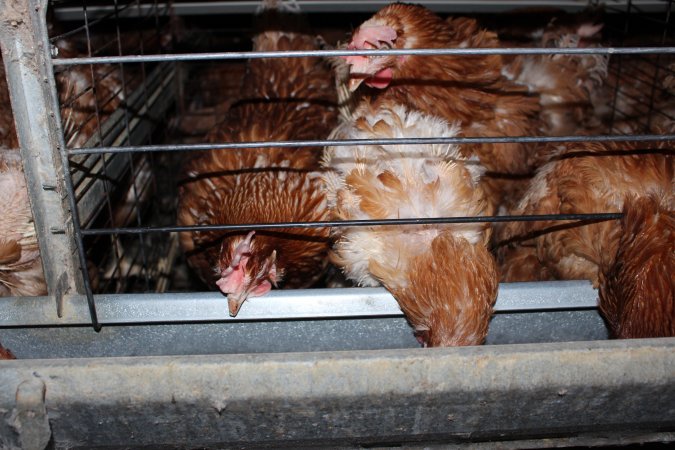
<point>420,168</point>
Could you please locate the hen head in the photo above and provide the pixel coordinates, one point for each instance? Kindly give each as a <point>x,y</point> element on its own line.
<point>376,71</point>
<point>245,271</point>
<point>397,26</point>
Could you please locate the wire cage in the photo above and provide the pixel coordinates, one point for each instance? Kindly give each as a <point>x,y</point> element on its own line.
<point>115,105</point>
<point>122,91</point>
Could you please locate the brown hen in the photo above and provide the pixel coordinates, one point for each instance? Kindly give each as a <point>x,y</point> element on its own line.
<point>88,96</point>
<point>566,84</point>
<point>637,289</point>
<point>471,90</point>
<point>282,99</point>
<point>629,260</point>
<point>442,275</point>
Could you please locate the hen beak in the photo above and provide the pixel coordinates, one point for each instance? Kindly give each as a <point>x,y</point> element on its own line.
<point>234,303</point>
<point>354,83</point>
<point>358,71</point>
<point>273,269</point>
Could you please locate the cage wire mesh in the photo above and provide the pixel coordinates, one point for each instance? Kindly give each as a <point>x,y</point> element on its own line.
<point>631,76</point>
<point>116,105</point>
<point>126,190</point>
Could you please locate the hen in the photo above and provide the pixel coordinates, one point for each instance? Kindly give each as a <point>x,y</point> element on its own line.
<point>88,95</point>
<point>442,276</point>
<point>566,84</point>
<point>282,99</point>
<point>86,102</point>
<point>20,263</point>
<point>470,90</point>
<point>628,260</point>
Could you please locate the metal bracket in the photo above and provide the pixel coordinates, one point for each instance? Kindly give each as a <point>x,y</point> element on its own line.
<point>29,418</point>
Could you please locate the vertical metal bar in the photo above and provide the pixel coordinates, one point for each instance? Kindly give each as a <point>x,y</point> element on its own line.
<point>114,239</point>
<point>151,158</point>
<point>26,54</point>
<point>26,50</point>
<point>655,78</point>
<point>617,86</point>
<point>134,173</point>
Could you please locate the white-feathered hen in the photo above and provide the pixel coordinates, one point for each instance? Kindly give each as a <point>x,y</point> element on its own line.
<point>443,276</point>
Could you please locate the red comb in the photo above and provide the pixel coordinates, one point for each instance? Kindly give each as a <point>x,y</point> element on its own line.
<point>373,35</point>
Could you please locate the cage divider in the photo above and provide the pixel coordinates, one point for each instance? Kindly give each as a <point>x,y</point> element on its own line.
<point>26,55</point>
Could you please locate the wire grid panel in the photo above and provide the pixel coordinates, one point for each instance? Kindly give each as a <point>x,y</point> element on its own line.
<point>647,61</point>
<point>115,105</point>
<point>633,76</point>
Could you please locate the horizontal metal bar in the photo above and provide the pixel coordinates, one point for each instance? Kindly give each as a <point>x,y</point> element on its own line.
<point>277,305</point>
<point>283,336</point>
<point>284,304</point>
<point>354,223</point>
<point>394,52</point>
<point>342,6</point>
<point>346,142</point>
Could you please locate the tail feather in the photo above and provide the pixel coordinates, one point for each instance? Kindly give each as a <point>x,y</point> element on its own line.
<point>637,289</point>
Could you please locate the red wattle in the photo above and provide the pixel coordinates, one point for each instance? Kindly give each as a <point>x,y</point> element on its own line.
<point>381,79</point>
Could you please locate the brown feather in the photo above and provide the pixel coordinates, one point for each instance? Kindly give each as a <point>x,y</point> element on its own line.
<point>637,288</point>
<point>470,90</point>
<point>8,138</point>
<point>88,95</point>
<point>449,293</point>
<point>86,102</point>
<point>631,260</point>
<point>281,99</point>
<point>10,251</point>
<point>566,84</point>
<point>583,178</point>
<point>443,276</point>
